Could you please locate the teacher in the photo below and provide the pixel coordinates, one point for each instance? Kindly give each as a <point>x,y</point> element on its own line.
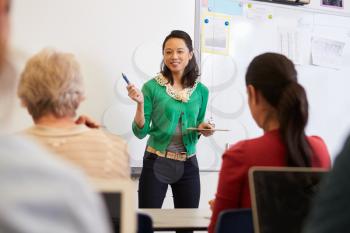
<point>169,104</point>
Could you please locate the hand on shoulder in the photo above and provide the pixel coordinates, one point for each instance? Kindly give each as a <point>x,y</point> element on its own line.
<point>89,122</point>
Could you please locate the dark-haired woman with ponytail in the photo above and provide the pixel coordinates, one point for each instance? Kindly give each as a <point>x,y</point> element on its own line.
<point>279,106</point>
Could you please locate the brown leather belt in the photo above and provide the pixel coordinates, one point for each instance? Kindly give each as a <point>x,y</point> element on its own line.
<point>182,156</point>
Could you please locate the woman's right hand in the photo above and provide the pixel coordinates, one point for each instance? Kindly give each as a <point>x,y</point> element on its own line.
<point>135,94</point>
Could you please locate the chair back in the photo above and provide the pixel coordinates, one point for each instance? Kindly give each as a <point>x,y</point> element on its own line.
<point>282,196</point>
<point>235,221</point>
<point>118,196</point>
<point>144,223</point>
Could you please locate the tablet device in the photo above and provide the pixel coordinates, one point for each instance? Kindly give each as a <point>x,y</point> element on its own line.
<point>197,129</point>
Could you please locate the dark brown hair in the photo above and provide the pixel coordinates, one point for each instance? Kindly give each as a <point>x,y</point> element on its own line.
<point>191,71</point>
<point>274,75</point>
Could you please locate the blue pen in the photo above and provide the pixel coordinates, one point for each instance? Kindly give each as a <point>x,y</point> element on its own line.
<point>125,78</point>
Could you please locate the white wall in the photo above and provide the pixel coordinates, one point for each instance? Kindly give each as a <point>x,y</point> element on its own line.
<point>108,37</point>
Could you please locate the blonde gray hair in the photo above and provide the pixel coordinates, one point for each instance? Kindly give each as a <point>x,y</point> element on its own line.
<point>51,83</point>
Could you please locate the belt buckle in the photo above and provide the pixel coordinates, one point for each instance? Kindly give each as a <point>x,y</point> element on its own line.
<point>176,155</point>
<point>182,156</point>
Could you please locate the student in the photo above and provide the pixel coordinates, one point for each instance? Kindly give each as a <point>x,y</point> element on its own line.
<point>4,29</point>
<point>51,88</point>
<point>279,106</point>
<point>39,193</point>
<point>169,104</point>
<point>331,209</point>
<point>7,80</point>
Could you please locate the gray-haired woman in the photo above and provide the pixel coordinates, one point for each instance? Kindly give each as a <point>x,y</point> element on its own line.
<point>51,88</point>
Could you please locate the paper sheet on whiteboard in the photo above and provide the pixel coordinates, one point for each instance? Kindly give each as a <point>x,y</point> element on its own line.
<point>216,33</point>
<point>327,52</point>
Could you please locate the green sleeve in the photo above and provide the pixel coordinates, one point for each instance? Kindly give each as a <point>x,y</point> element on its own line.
<point>202,110</point>
<point>147,95</point>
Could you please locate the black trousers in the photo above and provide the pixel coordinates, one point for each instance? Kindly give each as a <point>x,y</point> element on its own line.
<point>158,172</point>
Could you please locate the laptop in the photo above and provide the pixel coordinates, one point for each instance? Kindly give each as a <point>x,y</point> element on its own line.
<point>282,196</point>
<point>119,199</point>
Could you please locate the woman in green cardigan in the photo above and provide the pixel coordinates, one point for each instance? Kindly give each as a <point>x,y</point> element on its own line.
<point>168,105</point>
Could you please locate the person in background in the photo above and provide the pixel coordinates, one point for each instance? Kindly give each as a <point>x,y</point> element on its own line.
<point>51,88</point>
<point>168,105</point>
<point>279,106</point>
<point>4,30</point>
<point>38,192</point>
<point>7,80</point>
<point>331,209</point>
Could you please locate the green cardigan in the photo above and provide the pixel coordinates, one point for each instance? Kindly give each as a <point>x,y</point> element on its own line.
<point>162,113</point>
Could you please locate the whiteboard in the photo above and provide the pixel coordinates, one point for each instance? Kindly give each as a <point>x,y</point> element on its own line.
<point>108,37</point>
<point>248,36</point>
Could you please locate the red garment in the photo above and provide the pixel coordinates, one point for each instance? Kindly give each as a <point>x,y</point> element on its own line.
<point>267,150</point>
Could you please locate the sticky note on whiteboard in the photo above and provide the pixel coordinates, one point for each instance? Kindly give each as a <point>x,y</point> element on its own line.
<point>229,7</point>
<point>258,12</point>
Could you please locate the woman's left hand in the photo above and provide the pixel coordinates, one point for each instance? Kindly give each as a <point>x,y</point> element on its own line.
<point>206,129</point>
<point>211,204</point>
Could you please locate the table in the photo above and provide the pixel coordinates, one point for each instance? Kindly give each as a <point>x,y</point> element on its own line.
<point>179,219</point>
